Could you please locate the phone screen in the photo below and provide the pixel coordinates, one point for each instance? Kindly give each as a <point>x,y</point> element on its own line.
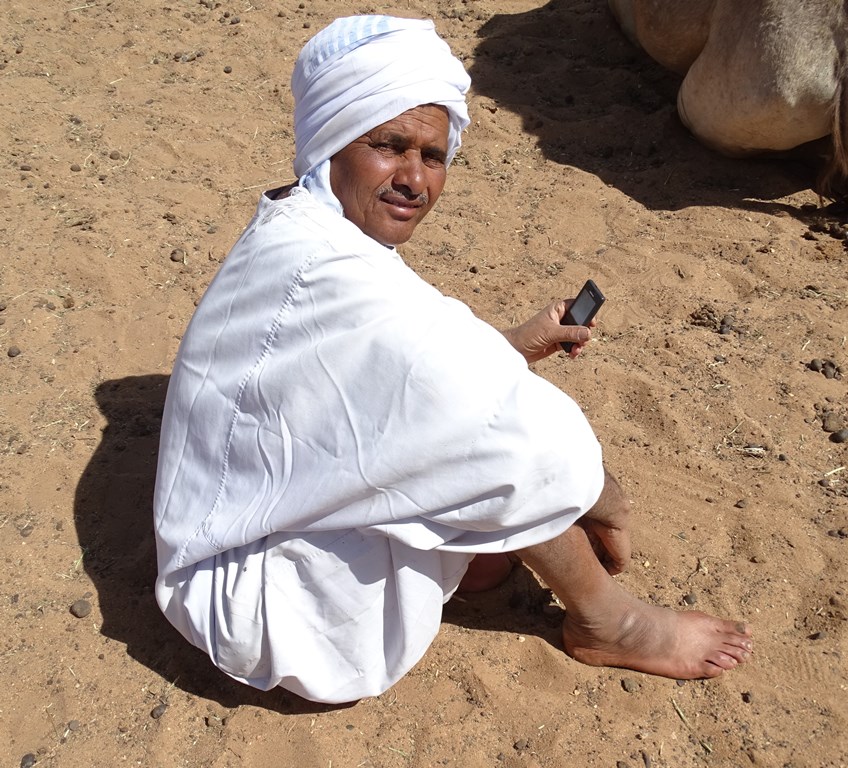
<point>583,309</point>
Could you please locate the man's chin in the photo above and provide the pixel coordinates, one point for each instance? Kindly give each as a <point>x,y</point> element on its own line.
<point>393,234</point>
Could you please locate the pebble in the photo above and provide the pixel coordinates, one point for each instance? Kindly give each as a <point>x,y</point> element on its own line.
<point>178,255</point>
<point>227,70</point>
<point>741,504</point>
<point>747,697</point>
<point>158,711</point>
<point>840,436</point>
<point>831,422</point>
<point>630,685</point>
<point>114,155</point>
<point>521,745</point>
<point>621,764</point>
<point>817,635</point>
<point>28,760</point>
<point>76,167</point>
<point>80,608</point>
<point>690,599</point>
<point>815,364</point>
<point>13,351</point>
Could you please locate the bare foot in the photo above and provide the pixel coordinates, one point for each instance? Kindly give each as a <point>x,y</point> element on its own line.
<point>486,571</point>
<point>628,633</point>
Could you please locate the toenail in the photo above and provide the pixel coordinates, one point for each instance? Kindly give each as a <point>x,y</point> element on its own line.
<point>741,628</point>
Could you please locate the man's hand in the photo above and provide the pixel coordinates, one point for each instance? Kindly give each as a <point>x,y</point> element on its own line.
<point>541,335</point>
<point>607,524</point>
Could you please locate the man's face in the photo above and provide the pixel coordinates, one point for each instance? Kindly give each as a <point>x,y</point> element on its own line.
<point>389,179</point>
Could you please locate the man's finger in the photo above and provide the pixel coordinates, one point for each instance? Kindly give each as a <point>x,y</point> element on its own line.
<point>576,333</point>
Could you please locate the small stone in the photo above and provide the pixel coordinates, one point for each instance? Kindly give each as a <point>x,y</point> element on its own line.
<point>227,70</point>
<point>178,255</point>
<point>690,599</point>
<point>521,745</point>
<point>26,167</point>
<point>80,608</point>
<point>680,683</point>
<point>621,764</point>
<point>840,436</point>
<point>28,760</point>
<point>158,711</point>
<point>76,168</point>
<point>74,725</point>
<point>831,422</point>
<point>741,504</point>
<point>747,697</point>
<point>782,457</point>
<point>817,635</point>
<point>114,155</point>
<point>13,351</point>
<point>630,685</point>
<point>68,302</point>
<point>815,364</point>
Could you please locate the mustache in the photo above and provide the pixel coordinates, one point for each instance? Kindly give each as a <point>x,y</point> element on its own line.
<point>423,198</point>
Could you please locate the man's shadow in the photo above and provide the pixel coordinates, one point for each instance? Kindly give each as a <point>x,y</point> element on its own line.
<point>595,102</point>
<point>113,512</point>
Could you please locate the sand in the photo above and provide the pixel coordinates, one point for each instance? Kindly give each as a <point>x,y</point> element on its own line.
<point>137,138</point>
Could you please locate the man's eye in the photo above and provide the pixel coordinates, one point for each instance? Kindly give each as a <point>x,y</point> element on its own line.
<point>387,147</point>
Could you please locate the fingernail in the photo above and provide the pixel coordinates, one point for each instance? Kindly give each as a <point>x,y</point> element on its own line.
<point>583,334</point>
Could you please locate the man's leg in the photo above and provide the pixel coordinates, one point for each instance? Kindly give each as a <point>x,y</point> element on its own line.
<point>487,571</point>
<point>606,626</point>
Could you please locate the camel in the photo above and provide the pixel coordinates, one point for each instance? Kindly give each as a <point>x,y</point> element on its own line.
<point>759,76</point>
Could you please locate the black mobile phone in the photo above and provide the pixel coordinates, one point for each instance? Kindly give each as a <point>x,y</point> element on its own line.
<point>583,309</point>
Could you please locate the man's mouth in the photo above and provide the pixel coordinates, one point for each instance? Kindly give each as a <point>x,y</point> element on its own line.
<point>400,201</point>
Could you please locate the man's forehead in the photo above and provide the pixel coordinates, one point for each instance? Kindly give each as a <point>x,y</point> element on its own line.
<point>430,116</point>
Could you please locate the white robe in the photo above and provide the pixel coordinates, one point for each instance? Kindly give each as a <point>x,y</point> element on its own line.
<point>338,440</point>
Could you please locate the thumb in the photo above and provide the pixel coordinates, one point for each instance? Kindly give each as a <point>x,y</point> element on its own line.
<point>576,333</point>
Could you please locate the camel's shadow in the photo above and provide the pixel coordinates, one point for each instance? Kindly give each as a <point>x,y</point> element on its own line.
<point>595,102</point>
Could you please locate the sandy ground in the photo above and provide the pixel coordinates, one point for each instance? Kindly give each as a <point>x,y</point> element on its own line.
<point>136,140</point>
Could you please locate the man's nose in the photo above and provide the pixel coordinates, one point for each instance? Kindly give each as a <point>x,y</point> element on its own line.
<point>411,173</point>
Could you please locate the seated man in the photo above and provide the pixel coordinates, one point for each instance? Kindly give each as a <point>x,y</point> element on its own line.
<point>340,440</point>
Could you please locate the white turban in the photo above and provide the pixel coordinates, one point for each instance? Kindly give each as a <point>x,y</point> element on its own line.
<point>362,71</point>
